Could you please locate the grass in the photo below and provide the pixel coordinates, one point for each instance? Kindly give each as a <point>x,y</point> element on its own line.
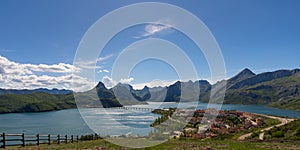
<point>290,131</point>
<point>268,122</point>
<point>228,142</point>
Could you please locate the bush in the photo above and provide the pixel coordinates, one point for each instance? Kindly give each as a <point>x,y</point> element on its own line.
<point>278,134</point>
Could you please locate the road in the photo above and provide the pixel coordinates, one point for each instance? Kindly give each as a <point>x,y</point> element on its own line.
<point>283,121</point>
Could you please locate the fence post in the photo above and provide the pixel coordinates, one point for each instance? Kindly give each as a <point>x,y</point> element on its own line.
<point>72,139</point>
<point>58,139</point>
<point>49,140</point>
<point>23,139</point>
<point>3,140</point>
<point>66,139</point>
<point>38,139</point>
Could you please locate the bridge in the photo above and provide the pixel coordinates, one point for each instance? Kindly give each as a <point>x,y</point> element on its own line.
<point>136,108</point>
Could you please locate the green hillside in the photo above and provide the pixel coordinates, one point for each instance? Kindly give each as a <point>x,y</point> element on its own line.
<point>40,101</point>
<point>35,102</point>
<point>291,104</point>
<point>280,93</point>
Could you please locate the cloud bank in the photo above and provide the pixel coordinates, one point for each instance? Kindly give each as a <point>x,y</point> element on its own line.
<point>15,75</point>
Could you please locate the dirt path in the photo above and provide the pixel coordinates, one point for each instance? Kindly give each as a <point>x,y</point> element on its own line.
<point>244,136</point>
<point>261,135</point>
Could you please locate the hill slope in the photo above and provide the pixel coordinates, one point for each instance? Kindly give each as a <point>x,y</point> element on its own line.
<point>277,89</point>
<point>41,101</point>
<point>35,102</point>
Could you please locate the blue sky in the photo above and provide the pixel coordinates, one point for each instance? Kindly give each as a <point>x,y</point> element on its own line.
<point>41,38</point>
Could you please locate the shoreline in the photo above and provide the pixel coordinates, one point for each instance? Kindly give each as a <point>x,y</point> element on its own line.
<point>239,106</point>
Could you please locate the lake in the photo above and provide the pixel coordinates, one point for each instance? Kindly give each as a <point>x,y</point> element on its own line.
<point>119,122</point>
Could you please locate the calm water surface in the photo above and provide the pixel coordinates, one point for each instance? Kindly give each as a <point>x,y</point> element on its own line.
<point>70,122</point>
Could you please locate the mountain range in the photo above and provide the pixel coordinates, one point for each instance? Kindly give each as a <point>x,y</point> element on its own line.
<point>26,91</point>
<point>278,89</point>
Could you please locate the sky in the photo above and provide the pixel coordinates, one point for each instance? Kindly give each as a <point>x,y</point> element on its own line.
<point>39,41</point>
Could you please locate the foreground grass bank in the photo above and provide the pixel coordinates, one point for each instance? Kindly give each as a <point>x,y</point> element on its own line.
<point>186,144</point>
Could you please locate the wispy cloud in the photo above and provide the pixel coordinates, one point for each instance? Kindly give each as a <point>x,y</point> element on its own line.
<point>156,27</point>
<point>7,50</point>
<point>101,59</point>
<point>92,64</point>
<point>84,64</point>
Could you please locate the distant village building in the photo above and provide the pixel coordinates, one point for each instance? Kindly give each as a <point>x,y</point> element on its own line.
<point>259,121</point>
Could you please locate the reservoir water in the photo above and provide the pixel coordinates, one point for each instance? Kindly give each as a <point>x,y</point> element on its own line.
<point>69,121</point>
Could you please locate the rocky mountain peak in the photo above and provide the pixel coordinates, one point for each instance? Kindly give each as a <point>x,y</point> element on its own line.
<point>244,74</point>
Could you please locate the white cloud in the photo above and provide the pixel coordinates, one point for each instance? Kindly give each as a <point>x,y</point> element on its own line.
<point>10,67</point>
<point>103,71</point>
<point>109,82</point>
<point>15,75</point>
<point>151,29</point>
<point>126,80</point>
<point>155,28</point>
<point>58,68</point>
<point>154,83</point>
